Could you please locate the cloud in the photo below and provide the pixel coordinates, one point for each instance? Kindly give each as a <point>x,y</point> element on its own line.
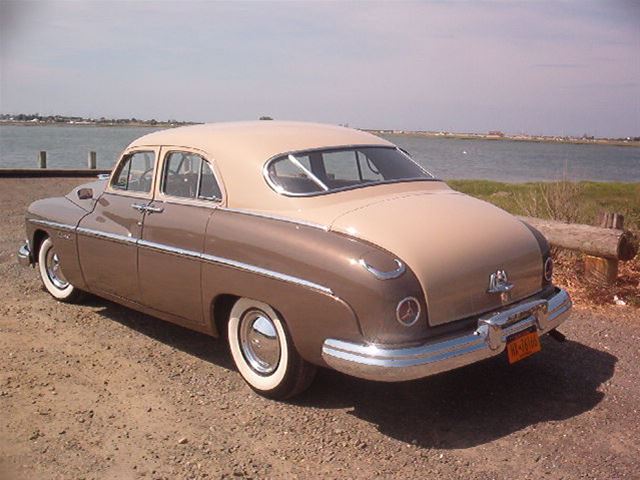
<point>421,65</point>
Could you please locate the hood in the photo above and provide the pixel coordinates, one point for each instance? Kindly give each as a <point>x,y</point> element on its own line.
<point>453,243</point>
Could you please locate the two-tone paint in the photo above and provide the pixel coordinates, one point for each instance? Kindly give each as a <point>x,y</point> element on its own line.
<point>334,266</point>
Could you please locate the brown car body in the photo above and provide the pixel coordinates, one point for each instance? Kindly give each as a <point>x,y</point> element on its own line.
<point>188,260</point>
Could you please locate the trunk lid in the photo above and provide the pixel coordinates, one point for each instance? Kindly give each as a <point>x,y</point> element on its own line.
<point>453,243</point>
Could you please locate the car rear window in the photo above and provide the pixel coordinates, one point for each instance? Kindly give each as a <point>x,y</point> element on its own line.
<point>323,171</point>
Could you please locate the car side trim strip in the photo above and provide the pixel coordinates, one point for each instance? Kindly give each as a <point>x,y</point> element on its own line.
<point>161,247</point>
<point>47,223</point>
<point>190,254</point>
<point>234,264</point>
<point>267,273</point>
<point>109,236</point>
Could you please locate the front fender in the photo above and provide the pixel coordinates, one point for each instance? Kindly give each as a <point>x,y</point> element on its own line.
<point>57,218</point>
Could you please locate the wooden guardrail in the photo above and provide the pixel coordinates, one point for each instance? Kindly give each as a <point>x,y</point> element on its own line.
<point>603,246</point>
<point>43,171</point>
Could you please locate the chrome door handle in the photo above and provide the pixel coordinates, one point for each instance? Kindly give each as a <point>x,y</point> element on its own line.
<point>139,206</point>
<point>151,209</point>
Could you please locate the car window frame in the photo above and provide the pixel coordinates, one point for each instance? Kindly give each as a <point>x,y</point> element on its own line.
<point>131,193</point>
<point>267,178</point>
<point>160,196</point>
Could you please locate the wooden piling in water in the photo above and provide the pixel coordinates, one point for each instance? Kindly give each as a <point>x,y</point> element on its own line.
<point>91,160</point>
<point>42,159</point>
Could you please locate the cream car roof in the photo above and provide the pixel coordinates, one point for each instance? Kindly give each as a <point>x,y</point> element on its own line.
<point>241,149</point>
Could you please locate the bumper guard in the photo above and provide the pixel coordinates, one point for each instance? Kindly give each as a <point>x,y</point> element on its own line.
<point>24,255</point>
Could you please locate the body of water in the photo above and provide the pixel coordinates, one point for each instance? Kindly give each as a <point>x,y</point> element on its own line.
<point>502,160</point>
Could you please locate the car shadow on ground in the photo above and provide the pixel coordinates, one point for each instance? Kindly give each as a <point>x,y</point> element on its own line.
<point>476,404</point>
<point>194,343</point>
<point>457,409</point>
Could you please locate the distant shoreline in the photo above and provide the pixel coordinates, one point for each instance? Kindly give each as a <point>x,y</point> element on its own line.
<point>96,124</point>
<point>511,138</point>
<point>405,133</point>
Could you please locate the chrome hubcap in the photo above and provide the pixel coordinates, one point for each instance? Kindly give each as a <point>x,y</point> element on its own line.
<point>54,272</point>
<point>259,342</point>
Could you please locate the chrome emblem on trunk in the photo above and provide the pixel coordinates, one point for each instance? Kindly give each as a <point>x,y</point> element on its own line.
<point>499,282</point>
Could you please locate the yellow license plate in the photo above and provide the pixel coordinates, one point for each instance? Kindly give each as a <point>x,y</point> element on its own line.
<point>522,346</point>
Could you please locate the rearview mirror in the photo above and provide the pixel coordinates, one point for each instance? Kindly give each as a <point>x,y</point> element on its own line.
<point>85,193</point>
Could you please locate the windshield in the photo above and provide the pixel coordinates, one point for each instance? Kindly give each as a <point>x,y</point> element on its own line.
<point>322,171</point>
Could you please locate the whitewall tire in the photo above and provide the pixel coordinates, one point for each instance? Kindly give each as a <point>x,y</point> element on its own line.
<point>51,274</point>
<point>263,352</point>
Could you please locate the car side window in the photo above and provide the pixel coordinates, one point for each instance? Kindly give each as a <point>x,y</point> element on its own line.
<point>135,172</point>
<point>209,188</point>
<point>188,175</point>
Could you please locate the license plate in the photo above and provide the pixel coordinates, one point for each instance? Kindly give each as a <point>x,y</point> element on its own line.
<point>523,345</point>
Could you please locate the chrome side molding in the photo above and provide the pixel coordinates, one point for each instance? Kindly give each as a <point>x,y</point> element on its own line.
<point>47,223</point>
<point>227,262</point>
<point>379,274</point>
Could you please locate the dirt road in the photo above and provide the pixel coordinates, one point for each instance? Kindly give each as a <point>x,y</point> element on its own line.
<point>100,391</point>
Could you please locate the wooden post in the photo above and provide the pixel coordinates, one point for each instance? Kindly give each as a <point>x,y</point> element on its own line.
<point>604,270</point>
<point>91,160</point>
<point>611,220</point>
<point>42,159</point>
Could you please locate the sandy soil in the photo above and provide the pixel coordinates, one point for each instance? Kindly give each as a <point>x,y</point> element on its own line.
<point>100,391</point>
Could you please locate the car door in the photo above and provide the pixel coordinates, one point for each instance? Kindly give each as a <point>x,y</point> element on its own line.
<point>108,236</point>
<point>174,232</point>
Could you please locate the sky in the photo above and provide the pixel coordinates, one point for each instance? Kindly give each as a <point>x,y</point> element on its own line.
<point>555,68</point>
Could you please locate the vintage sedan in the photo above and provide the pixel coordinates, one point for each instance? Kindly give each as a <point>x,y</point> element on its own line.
<point>304,245</point>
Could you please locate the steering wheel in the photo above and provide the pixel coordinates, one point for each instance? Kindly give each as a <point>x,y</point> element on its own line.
<point>144,182</point>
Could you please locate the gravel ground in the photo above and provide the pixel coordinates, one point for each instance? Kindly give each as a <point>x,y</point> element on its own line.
<point>100,391</point>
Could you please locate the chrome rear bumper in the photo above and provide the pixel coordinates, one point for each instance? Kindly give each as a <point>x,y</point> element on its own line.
<point>24,255</point>
<point>389,364</point>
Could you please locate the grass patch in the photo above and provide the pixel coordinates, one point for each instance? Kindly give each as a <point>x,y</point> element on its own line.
<point>579,202</point>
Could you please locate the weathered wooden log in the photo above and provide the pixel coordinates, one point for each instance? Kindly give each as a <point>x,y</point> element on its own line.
<point>596,241</point>
<point>42,159</point>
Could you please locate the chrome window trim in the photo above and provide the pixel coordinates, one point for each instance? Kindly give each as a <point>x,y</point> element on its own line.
<point>161,196</point>
<point>308,172</point>
<point>279,190</point>
<point>433,177</point>
<point>109,189</point>
<point>153,172</point>
<point>275,217</point>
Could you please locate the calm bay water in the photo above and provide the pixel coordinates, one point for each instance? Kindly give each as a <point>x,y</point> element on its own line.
<point>507,161</point>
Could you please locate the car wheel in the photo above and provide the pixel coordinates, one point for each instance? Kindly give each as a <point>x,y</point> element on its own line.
<point>264,353</point>
<point>51,274</point>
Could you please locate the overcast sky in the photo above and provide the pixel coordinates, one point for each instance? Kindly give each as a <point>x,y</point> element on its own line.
<point>551,68</point>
